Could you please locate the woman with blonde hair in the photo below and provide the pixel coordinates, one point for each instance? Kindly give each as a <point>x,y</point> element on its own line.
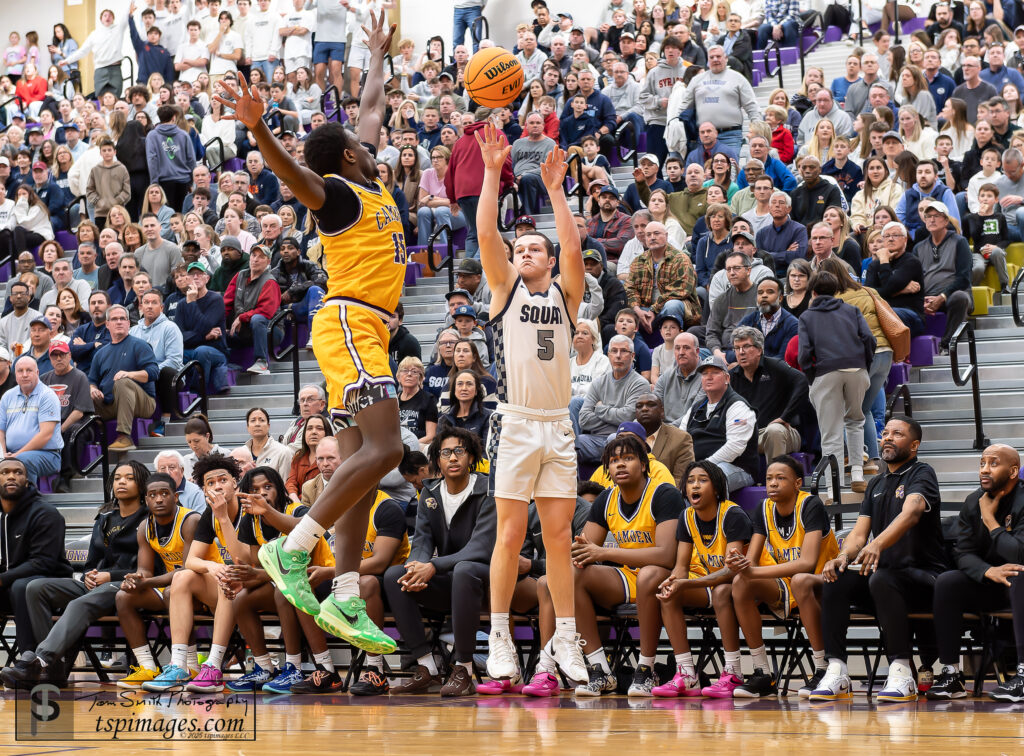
<point>404,116</point>
<point>956,125</point>
<point>155,201</point>
<point>289,222</point>
<point>843,246</point>
<point>821,143</point>
<point>588,359</point>
<point>118,218</point>
<point>916,139</point>
<point>209,246</point>
<point>418,409</point>
<point>657,205</point>
<point>879,190</point>
<point>802,99</point>
<point>793,116</point>
<point>913,91</point>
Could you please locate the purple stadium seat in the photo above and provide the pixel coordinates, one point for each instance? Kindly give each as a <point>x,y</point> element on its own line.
<point>914,24</point>
<point>47,483</point>
<point>749,498</point>
<point>923,350</point>
<point>935,325</point>
<point>806,460</point>
<point>833,34</point>
<point>790,56</point>
<point>66,239</point>
<point>898,373</point>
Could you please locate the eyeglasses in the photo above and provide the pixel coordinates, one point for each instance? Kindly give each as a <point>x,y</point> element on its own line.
<point>736,268</point>
<point>412,371</point>
<point>892,236</point>
<point>458,451</point>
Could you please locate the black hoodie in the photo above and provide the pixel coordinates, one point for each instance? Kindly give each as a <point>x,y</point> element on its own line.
<point>31,540</point>
<point>833,336</point>
<point>403,344</point>
<point>114,545</point>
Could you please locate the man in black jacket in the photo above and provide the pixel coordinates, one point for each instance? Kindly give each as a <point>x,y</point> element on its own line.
<point>113,553</point>
<point>989,560</point>
<point>814,194</point>
<point>898,277</point>
<point>32,534</point>
<point>776,391</point>
<point>402,344</point>
<point>302,281</point>
<point>612,288</point>
<point>456,518</point>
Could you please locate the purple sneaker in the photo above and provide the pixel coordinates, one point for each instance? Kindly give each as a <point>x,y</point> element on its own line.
<point>209,680</point>
<point>726,684</point>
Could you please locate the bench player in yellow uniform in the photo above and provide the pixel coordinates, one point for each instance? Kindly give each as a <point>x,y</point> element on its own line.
<point>365,257</point>
<point>793,529</point>
<point>709,529</point>
<point>165,536</point>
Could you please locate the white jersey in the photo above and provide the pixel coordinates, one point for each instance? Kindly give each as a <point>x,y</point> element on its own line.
<point>532,338</point>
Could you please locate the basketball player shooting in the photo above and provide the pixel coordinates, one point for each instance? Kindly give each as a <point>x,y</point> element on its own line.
<point>531,442</point>
<point>364,253</point>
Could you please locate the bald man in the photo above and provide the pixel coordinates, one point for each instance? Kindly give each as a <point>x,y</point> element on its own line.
<point>989,560</point>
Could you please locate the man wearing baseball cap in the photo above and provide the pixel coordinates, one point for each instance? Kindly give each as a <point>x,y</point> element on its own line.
<point>200,316</point>
<point>75,403</point>
<point>646,174</point>
<point>252,299</point>
<point>302,282</point>
<point>723,426</point>
<point>611,227</point>
<point>49,193</point>
<point>946,259</point>
<point>469,276</point>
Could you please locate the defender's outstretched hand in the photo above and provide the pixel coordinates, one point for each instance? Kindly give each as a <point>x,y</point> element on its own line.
<point>492,148</point>
<point>552,170</point>
<point>378,37</point>
<point>245,101</point>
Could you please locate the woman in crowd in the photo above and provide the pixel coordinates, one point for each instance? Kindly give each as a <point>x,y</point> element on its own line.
<point>434,209</point>
<point>72,314</point>
<point>658,207</point>
<point>303,465</point>
<point>408,177</point>
<point>821,142</point>
<point>289,222</point>
<point>954,113</point>
<point>588,361</point>
<point>209,246</point>
<point>466,405</point>
<point>118,218</point>
<point>803,100</point>
<point>718,170</point>
<point>913,91</point>
<point>842,244</point>
<point>215,126</point>
<point>156,202</point>
<point>798,295</point>
<point>264,448</point>
<point>32,215</point>
<point>234,225</point>
<point>717,240</point>
<point>62,46</point>
<point>879,190</point>
<point>781,99</point>
<point>917,139</point>
<point>199,437</point>
<point>417,409</point>
<point>984,136</point>
<point>307,94</point>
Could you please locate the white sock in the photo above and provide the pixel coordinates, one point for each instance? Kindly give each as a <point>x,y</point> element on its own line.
<point>468,666</point>
<point>857,474</point>
<point>684,662</point>
<point>842,666</point>
<point>193,657</point>
<point>345,586</point>
<point>499,622</point>
<point>546,663</point>
<point>216,657</point>
<point>178,653</point>
<point>265,663</point>
<point>732,662</point>
<point>377,662</point>
<point>326,661</point>
<point>145,657</point>
<point>427,660</point>
<point>818,658</point>
<point>304,535</point>
<point>760,658</point>
<point>648,660</point>
<point>904,662</point>
<point>954,668</point>
<point>294,659</point>
<point>599,659</point>
<point>565,626</point>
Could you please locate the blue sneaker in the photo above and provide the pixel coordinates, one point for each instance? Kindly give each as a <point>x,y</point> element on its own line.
<point>172,678</point>
<point>252,681</point>
<point>157,429</point>
<point>287,676</point>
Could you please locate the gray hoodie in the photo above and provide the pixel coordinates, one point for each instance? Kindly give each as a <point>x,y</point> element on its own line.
<point>658,84</point>
<point>169,154</point>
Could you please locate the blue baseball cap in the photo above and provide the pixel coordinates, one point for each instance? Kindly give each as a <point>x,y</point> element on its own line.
<point>464,310</point>
<point>609,189</point>
<point>632,426</point>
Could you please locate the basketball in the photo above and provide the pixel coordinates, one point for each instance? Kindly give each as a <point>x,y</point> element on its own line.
<point>493,77</point>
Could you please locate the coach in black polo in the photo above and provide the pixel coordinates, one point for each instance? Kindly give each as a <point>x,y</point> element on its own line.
<point>888,565</point>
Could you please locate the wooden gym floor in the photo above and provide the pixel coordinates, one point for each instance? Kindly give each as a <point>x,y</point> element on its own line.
<point>610,725</point>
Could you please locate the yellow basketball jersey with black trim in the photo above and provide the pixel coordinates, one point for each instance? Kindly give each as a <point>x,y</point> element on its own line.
<point>636,532</point>
<point>707,557</point>
<point>171,551</point>
<point>371,535</point>
<point>788,549</point>
<point>321,555</point>
<point>218,552</point>
<point>365,261</point>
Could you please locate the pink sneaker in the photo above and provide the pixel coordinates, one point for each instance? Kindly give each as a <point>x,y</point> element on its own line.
<point>497,687</point>
<point>726,684</point>
<point>682,685</point>
<point>209,680</point>
<point>542,685</point>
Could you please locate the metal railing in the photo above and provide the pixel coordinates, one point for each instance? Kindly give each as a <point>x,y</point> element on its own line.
<point>206,155</point>
<point>84,433</point>
<point>819,35</point>
<point>576,159</point>
<point>331,114</point>
<point>773,45</point>
<point>969,374</point>
<point>130,79</point>
<point>391,67</point>
<point>287,315</point>
<point>480,21</point>
<point>1014,298</point>
<point>448,262</point>
<point>627,127</point>
<point>902,392</point>
<point>517,208</point>
<point>66,210</point>
<point>829,464</point>
<point>180,384</point>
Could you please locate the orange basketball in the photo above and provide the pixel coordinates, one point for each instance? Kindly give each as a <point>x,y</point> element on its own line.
<point>493,77</point>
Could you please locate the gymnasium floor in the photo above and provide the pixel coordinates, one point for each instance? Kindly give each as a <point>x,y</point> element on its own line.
<point>611,725</point>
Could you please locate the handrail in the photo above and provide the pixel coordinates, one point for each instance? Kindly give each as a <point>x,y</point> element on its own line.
<point>290,350</point>
<point>480,20</point>
<point>860,23</point>
<point>830,463</point>
<point>335,113</point>
<point>180,385</point>
<point>896,22</point>
<point>1014,296</point>
<point>391,65</point>
<point>774,45</point>
<point>970,374</point>
<point>80,433</point>
<point>620,132</point>
<point>66,210</point>
<point>131,77</point>
<point>576,158</point>
<point>801,24</point>
<point>9,100</point>
<point>516,208</point>
<point>206,154</point>
<point>274,120</point>
<point>449,261</point>
<point>902,391</point>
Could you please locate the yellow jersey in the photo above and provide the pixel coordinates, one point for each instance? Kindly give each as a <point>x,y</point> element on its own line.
<point>218,552</point>
<point>172,550</point>
<point>402,554</point>
<point>636,532</point>
<point>709,552</point>
<point>784,549</point>
<point>364,252</point>
<point>659,474</point>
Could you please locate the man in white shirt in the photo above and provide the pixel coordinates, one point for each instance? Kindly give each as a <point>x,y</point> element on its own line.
<point>63,276</point>
<point>173,26</point>
<point>296,33</point>
<point>262,42</point>
<point>225,48</point>
<point>192,56</point>
<point>106,43</point>
<point>530,57</point>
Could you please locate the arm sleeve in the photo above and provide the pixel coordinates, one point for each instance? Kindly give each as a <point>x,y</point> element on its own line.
<point>667,503</point>
<point>736,525</point>
<point>204,528</point>
<point>757,523</point>
<point>597,509</point>
<point>341,207</point>
<point>814,516</point>
<point>389,520</point>
<point>682,531</point>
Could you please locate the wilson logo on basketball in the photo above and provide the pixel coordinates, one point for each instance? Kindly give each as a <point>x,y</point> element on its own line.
<point>500,68</point>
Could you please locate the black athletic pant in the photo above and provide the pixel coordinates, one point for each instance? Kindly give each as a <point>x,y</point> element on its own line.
<point>889,594</point>
<point>955,593</point>
<point>165,390</point>
<point>462,593</point>
<point>176,192</point>
<point>14,604</point>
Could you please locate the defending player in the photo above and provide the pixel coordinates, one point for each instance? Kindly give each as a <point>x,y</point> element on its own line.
<point>364,253</point>
<point>531,443</point>
<point>792,528</point>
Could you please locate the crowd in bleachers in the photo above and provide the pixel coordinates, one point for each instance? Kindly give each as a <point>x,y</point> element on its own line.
<point>748,292</point>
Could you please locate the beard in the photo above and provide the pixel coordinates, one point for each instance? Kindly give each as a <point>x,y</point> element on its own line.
<point>894,456</point>
<point>767,309</point>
